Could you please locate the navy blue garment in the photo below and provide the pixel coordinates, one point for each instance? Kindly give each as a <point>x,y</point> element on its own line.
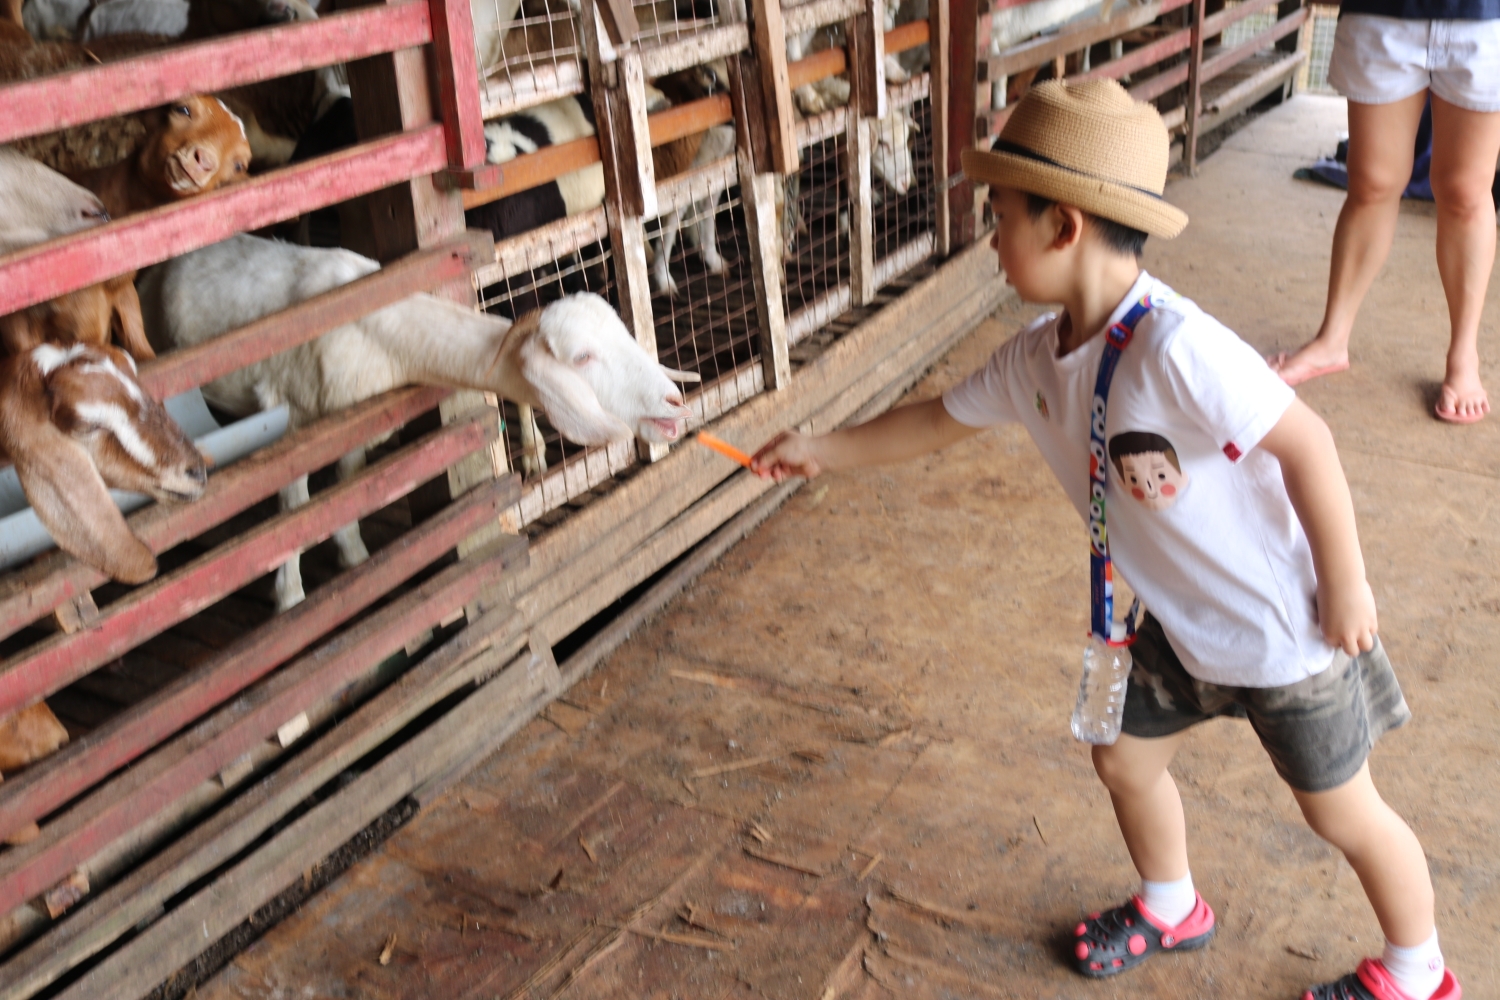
<point>1426,10</point>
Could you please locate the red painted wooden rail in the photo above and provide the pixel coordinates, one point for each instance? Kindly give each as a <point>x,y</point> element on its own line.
<point>145,81</point>
<point>153,608</point>
<point>157,782</point>
<point>44,272</point>
<point>51,783</point>
<point>30,593</point>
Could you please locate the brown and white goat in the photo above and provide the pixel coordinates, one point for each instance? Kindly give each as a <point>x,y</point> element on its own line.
<point>76,422</point>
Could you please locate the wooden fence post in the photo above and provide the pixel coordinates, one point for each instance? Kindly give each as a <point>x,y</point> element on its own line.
<point>941,51</point>
<point>770,50</point>
<point>865,32</point>
<point>861,209</point>
<point>964,123</point>
<point>1194,91</point>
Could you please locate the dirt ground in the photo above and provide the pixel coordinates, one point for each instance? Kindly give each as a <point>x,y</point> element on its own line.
<point>839,768</point>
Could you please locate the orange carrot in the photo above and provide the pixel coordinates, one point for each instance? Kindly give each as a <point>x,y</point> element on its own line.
<point>724,448</point>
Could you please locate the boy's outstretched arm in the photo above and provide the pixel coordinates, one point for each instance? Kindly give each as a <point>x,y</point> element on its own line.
<point>894,436</point>
<point>1319,493</point>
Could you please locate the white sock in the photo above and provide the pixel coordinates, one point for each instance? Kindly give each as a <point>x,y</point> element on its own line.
<point>1418,970</point>
<point>1171,902</point>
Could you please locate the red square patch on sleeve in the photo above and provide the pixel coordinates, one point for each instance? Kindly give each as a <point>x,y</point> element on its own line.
<point>1232,452</point>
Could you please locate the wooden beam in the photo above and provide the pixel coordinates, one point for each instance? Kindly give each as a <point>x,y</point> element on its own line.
<point>1039,51</point>
<point>152,608</point>
<point>59,778</point>
<point>866,52</point>
<point>183,369</point>
<point>1233,57</point>
<point>535,169</point>
<point>52,580</point>
<point>1194,101</point>
<point>758,196</point>
<point>818,66</point>
<point>457,76</point>
<point>661,58</point>
<point>781,117</point>
<point>50,269</point>
<point>908,36</point>
<point>478,651</point>
<point>962,108</point>
<point>857,145</point>
<point>205,750</point>
<point>486,718</point>
<point>62,100</point>
<point>689,119</point>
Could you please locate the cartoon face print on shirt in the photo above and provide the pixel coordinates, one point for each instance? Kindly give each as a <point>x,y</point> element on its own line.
<point>1148,468</point>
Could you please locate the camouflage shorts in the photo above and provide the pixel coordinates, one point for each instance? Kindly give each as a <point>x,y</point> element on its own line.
<point>1318,731</point>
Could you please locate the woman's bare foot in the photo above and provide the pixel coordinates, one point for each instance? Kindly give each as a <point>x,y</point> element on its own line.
<point>1316,357</point>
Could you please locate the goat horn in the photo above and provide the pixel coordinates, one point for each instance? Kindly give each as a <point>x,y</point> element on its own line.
<point>680,376</point>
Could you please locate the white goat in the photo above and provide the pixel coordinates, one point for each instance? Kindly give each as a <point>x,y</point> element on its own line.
<point>123,17</point>
<point>702,230</point>
<point>574,359</point>
<point>38,204</point>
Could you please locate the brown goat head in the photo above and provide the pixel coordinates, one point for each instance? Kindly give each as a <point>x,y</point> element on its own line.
<point>92,315</point>
<point>75,421</point>
<point>196,145</point>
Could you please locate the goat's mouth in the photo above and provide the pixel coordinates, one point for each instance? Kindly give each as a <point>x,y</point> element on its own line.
<point>179,178</point>
<point>666,429</point>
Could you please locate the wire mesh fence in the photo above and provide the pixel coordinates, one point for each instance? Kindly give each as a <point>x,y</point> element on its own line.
<point>815,229</point>
<point>704,306</point>
<point>903,139</point>
<point>527,51</point>
<point>664,20</point>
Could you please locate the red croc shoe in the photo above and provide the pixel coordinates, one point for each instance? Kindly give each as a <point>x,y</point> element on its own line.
<point>1371,982</point>
<point>1122,938</point>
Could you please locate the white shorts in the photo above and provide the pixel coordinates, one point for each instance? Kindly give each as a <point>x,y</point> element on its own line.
<point>1381,60</point>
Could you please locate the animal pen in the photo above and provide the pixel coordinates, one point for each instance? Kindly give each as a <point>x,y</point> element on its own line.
<point>219,751</point>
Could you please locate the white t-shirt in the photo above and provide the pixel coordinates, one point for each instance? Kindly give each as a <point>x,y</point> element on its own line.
<point>1199,521</point>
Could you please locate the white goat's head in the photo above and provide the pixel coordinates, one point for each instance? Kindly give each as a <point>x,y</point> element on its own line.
<point>75,420</point>
<point>890,159</point>
<point>38,204</point>
<point>591,377</point>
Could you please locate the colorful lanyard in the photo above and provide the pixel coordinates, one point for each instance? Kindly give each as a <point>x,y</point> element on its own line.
<point>1101,570</point>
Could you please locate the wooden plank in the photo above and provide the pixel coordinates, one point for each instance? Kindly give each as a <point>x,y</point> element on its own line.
<point>543,245</point>
<point>752,136</point>
<point>485,718</point>
<point>964,19</point>
<point>758,196</point>
<point>535,169</point>
<point>781,117</point>
<point>1194,103</point>
<point>1231,57</point>
<point>938,76</point>
<point>85,761</point>
<point>476,652</point>
<point>697,185</point>
<point>157,781</point>
<point>59,266</point>
<point>903,259</point>
<point>661,58</point>
<point>861,210</point>
<point>908,36</point>
<point>35,591</point>
<point>57,661</point>
<point>457,82</point>
<point>818,313</point>
<point>1039,51</point>
<point>62,100</point>
<point>689,119</point>
<point>866,54</point>
<point>1159,84</point>
<point>1255,84</point>
<point>1138,59</point>
<point>184,369</point>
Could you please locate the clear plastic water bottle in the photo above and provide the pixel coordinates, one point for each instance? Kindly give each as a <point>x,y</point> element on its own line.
<point>1101,695</point>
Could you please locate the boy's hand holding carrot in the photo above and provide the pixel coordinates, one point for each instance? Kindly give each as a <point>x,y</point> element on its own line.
<point>788,454</point>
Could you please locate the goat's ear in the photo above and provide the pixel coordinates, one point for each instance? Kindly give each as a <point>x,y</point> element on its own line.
<point>569,401</point>
<point>71,500</point>
<point>126,305</point>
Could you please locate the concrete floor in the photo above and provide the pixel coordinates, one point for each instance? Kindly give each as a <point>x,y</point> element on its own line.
<point>899,648</point>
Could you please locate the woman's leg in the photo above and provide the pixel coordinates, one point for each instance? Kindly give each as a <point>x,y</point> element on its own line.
<point>1465,146</point>
<point>1146,802</point>
<point>1383,852</point>
<point>1382,138</point>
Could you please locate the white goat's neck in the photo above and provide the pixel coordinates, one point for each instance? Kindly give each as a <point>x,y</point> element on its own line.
<point>431,341</point>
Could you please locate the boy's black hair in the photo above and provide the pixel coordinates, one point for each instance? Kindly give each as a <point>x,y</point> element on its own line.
<point>1117,236</point>
<point>1140,443</point>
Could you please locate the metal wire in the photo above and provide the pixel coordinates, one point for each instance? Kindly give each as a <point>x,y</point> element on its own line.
<point>527,48</point>
<point>667,19</point>
<point>817,232</point>
<point>901,218</point>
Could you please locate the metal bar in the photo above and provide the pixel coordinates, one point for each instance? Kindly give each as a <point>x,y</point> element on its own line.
<point>907,36</point>
<point>79,765</point>
<point>151,609</point>
<point>689,119</point>
<point>35,591</point>
<point>193,366</point>
<point>158,781</point>
<point>66,99</point>
<point>44,272</point>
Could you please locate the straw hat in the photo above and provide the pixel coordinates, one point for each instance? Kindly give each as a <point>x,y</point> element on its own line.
<point>1085,144</point>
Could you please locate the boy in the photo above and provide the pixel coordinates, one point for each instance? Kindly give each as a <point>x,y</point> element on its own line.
<point>1226,508</point>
